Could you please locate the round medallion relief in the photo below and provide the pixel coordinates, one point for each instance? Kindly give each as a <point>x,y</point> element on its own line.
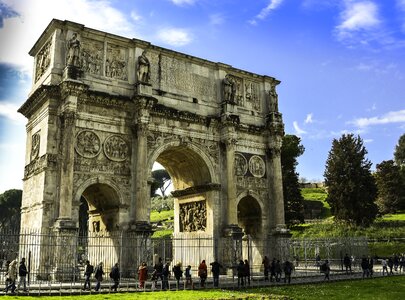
<point>116,148</point>
<point>88,144</point>
<point>257,166</point>
<point>241,165</point>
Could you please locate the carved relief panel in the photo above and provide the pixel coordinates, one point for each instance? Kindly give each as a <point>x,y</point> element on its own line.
<point>35,144</point>
<point>88,144</point>
<point>243,92</point>
<point>115,148</point>
<point>43,60</point>
<point>250,171</point>
<point>193,216</point>
<point>116,64</point>
<point>91,57</point>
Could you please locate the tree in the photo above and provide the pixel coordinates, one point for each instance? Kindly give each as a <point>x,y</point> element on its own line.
<point>399,153</point>
<point>161,182</point>
<point>10,206</point>
<point>351,186</point>
<point>293,201</point>
<point>390,195</point>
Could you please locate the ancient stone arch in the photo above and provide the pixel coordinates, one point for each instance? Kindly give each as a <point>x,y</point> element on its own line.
<point>104,108</point>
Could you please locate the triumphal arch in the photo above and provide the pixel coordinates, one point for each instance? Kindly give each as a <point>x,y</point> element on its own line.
<point>104,108</point>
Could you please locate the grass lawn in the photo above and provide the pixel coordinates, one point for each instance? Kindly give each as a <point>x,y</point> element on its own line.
<point>372,289</point>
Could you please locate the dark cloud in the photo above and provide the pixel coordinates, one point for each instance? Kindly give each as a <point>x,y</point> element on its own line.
<point>6,12</point>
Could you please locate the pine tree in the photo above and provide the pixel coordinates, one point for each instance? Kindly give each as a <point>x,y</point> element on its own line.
<point>293,201</point>
<point>351,186</point>
<point>390,196</point>
<point>399,153</point>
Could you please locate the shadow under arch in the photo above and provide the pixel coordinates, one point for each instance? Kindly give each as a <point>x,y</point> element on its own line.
<point>102,242</point>
<point>250,211</point>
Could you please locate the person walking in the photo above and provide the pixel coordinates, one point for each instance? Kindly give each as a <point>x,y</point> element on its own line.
<point>287,271</point>
<point>98,274</point>
<point>142,274</point>
<point>241,273</point>
<point>88,270</point>
<point>266,268</point>
<point>158,269</point>
<point>273,269</point>
<point>246,272</point>
<point>348,264</point>
<point>22,273</point>
<point>365,267</point>
<point>165,276</point>
<point>202,273</point>
<point>189,280</point>
<point>115,276</point>
<point>178,273</point>
<point>384,266</point>
<point>325,268</point>
<point>390,265</point>
<point>278,270</point>
<point>215,269</point>
<point>12,276</point>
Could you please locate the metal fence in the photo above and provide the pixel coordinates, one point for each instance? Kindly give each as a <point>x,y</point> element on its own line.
<point>60,257</point>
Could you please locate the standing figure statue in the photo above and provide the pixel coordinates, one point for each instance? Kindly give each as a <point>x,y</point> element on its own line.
<point>273,103</point>
<point>73,58</point>
<point>229,89</point>
<point>143,68</point>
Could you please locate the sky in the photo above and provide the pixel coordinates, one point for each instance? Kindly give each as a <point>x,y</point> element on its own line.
<point>341,63</point>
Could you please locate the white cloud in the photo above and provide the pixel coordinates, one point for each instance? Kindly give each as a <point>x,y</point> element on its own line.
<point>183,2</point>
<point>298,130</point>
<point>359,15</point>
<point>368,141</point>
<point>174,36</point>
<point>388,118</point>
<point>20,33</point>
<point>9,111</point>
<point>356,19</point>
<point>272,5</point>
<point>308,119</point>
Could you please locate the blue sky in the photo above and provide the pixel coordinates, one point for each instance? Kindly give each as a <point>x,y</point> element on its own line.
<point>341,62</point>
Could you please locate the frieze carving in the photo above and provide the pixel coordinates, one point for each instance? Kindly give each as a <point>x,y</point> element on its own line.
<point>116,63</point>
<point>104,99</point>
<point>43,60</point>
<point>39,164</point>
<point>35,145</point>
<point>116,148</point>
<point>87,165</point>
<point>241,165</point>
<point>87,144</point>
<point>257,166</point>
<point>251,182</point>
<point>193,216</point>
<point>91,58</point>
<point>175,74</point>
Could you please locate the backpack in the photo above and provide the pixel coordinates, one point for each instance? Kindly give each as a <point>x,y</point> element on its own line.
<point>91,269</point>
<point>323,267</point>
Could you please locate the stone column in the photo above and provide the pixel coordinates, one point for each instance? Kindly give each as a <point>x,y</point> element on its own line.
<point>70,91</point>
<point>141,202</point>
<point>232,213</point>
<point>276,181</point>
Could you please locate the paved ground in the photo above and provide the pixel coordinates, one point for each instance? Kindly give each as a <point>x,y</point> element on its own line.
<point>300,276</point>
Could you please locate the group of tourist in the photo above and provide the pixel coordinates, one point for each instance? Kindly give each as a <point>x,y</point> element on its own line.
<point>275,268</point>
<point>12,271</point>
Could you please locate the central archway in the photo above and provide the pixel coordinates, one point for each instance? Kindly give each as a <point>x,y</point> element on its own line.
<point>195,196</point>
